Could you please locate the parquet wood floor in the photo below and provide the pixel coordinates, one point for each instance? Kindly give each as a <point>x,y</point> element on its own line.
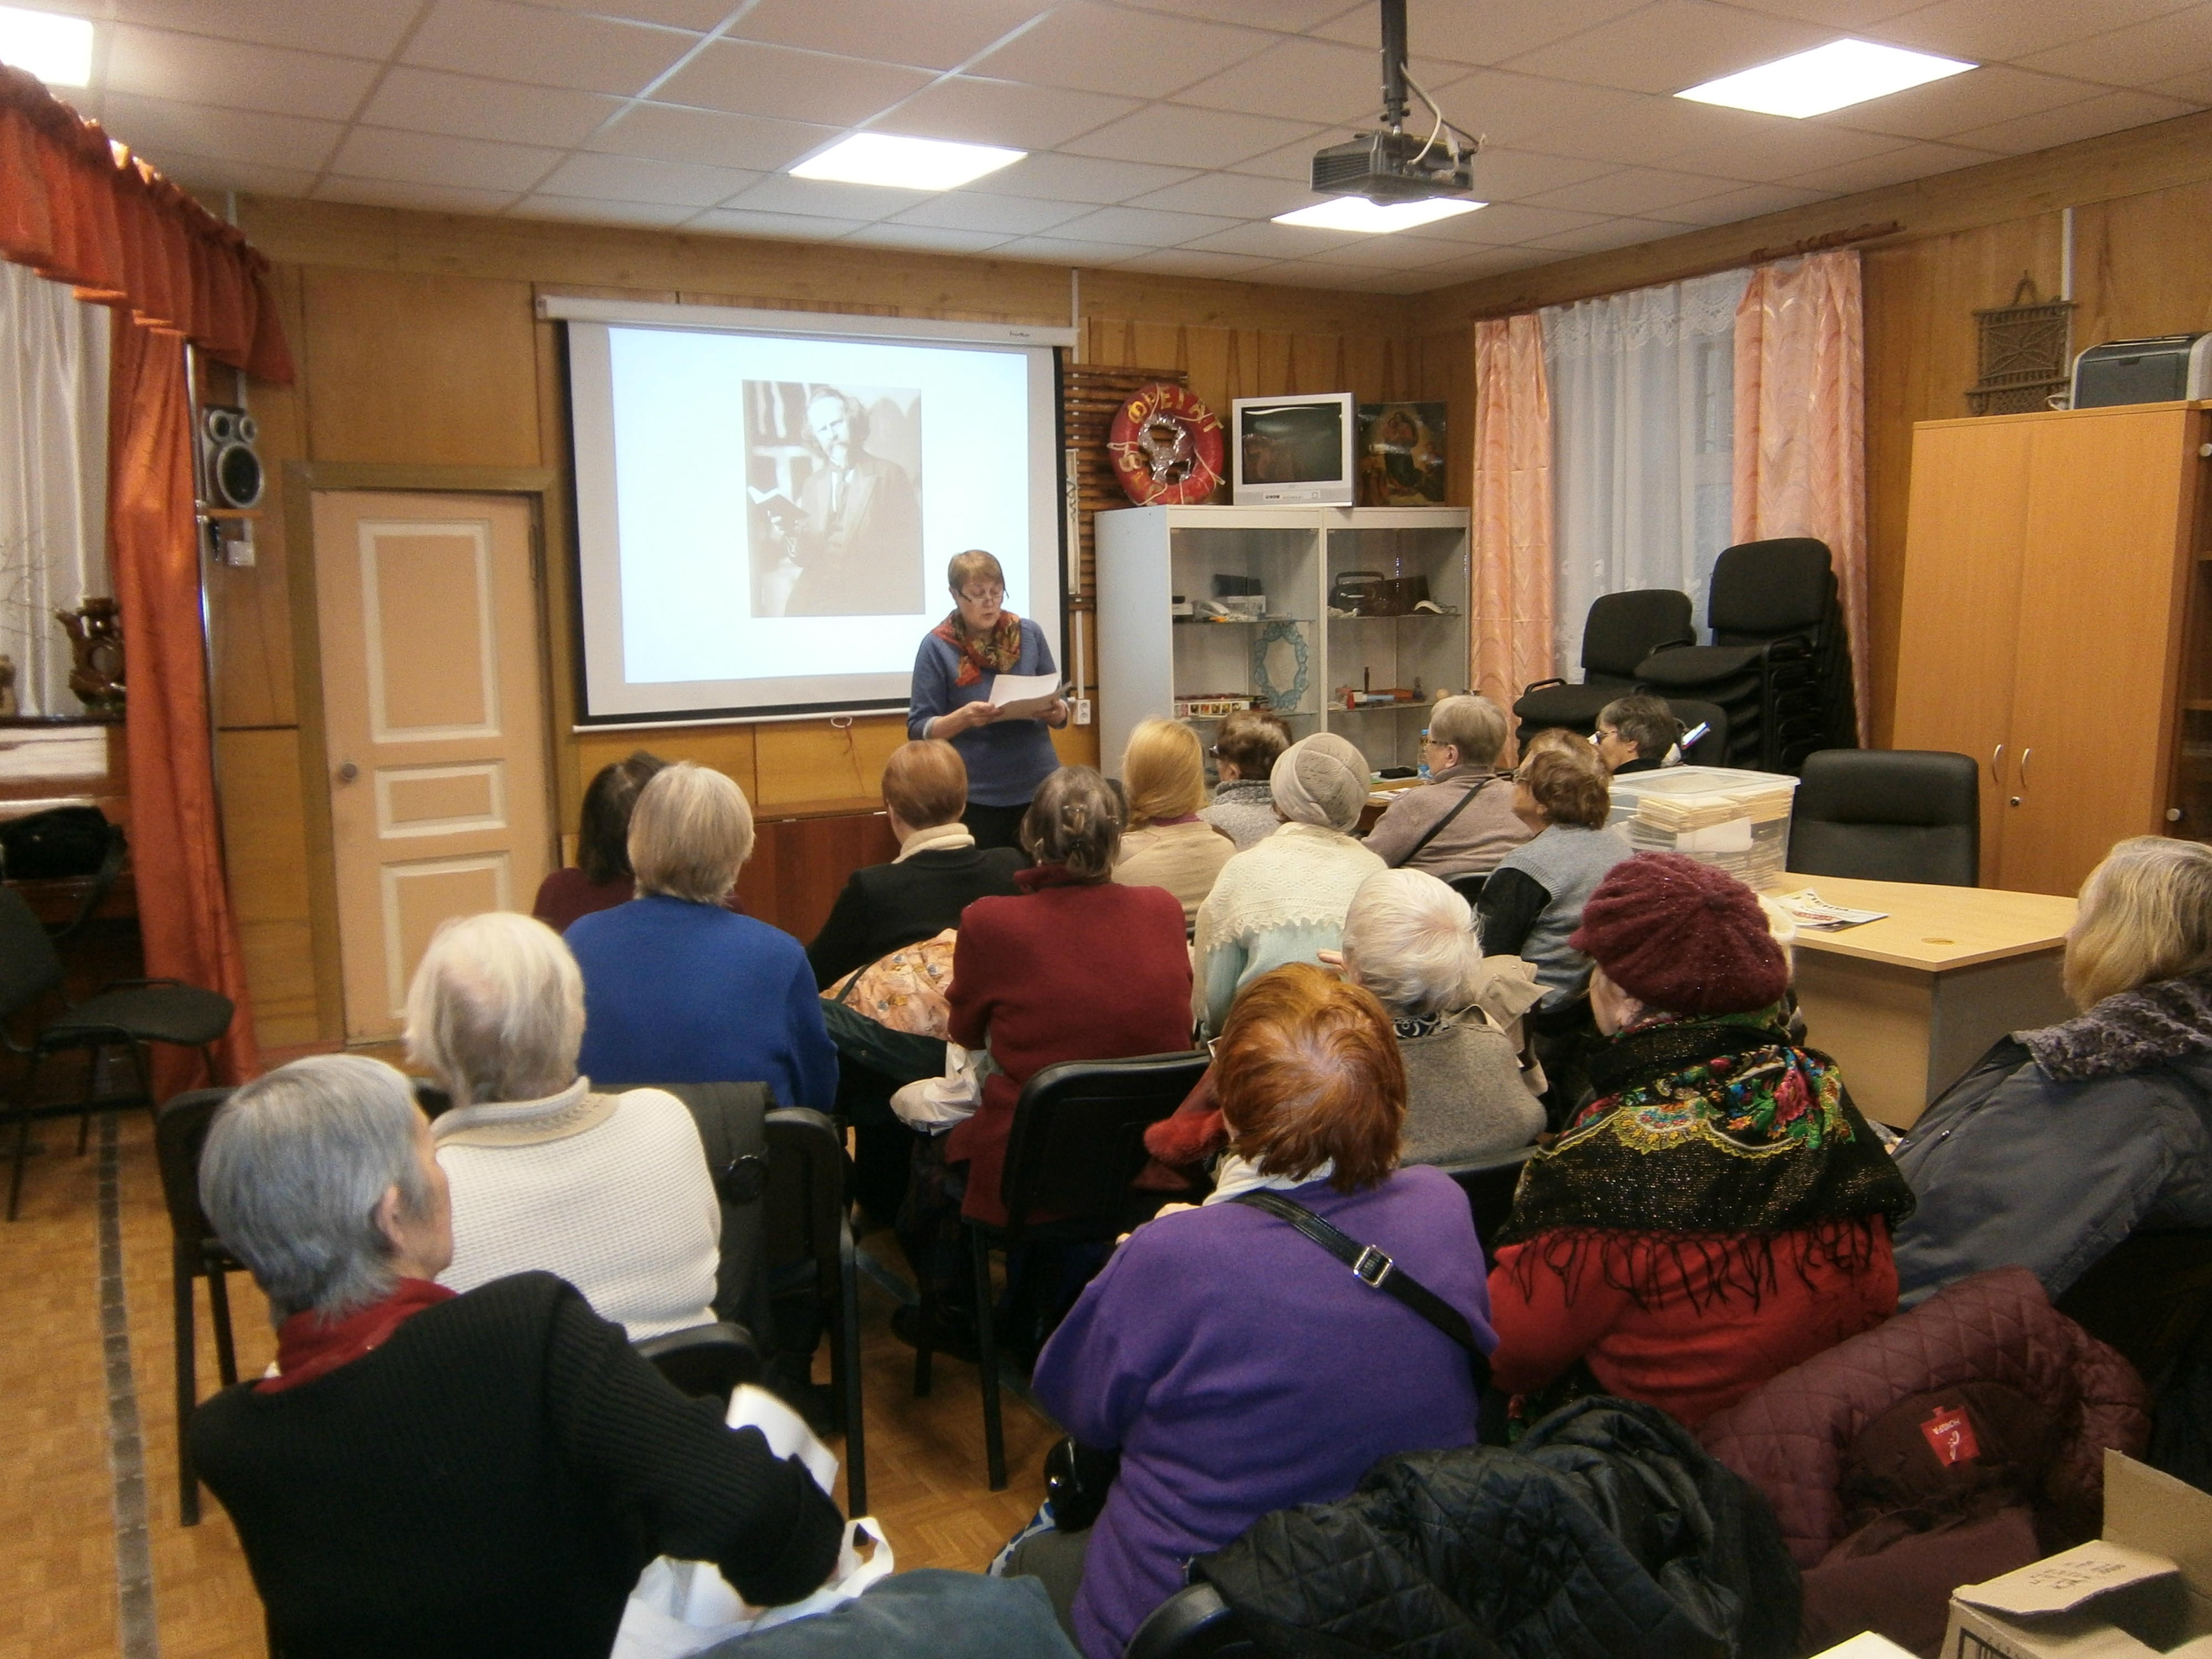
<point>57,1574</point>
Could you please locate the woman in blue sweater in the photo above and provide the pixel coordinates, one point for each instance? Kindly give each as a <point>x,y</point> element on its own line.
<point>676,989</point>
<point>1007,749</point>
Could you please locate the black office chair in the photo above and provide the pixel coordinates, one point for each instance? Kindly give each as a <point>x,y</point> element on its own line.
<point>706,1361</point>
<point>1779,664</point>
<point>807,1219</point>
<point>1888,815</point>
<point>1621,630</point>
<point>180,1131</point>
<point>1076,1143</point>
<point>128,1014</point>
<point>1194,1623</point>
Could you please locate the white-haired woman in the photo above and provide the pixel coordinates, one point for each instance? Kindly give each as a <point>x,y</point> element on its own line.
<point>610,1191</point>
<point>433,1474</point>
<point>2063,1142</point>
<point>1461,822</point>
<point>676,989</point>
<point>1409,941</point>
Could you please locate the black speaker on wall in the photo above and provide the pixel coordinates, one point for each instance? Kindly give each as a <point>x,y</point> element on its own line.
<point>233,470</point>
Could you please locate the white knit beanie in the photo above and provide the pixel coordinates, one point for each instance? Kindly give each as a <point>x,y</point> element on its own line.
<point>1321,780</point>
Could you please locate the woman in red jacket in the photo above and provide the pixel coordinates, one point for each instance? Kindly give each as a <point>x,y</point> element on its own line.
<point>1076,967</point>
<point>1720,1210</point>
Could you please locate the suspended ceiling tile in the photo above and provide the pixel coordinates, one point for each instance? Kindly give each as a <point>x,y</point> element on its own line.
<point>1892,168</point>
<point>1271,241</point>
<point>1783,149</point>
<point>424,159</point>
<point>430,100</point>
<point>1982,32</point>
<point>1505,108</point>
<point>1006,216</point>
<point>1407,281</point>
<point>2108,112</point>
<point>2195,88</point>
<point>1610,234</point>
<point>1509,222</point>
<point>155,126</point>
<point>1465,34</point>
<point>784,227</point>
<point>1232,195</point>
<point>1292,161</point>
<point>1194,262</point>
<point>346,27</point>
<point>934,238</point>
<point>780,192</point>
<point>1304,273</point>
<point>1745,202</point>
<point>698,15</point>
<point>1294,16</point>
<point>1062,251</point>
<point>1172,136</point>
<point>1650,129</point>
<point>546,48</point>
<point>1093,47</point>
<point>1633,191</point>
<point>634,178</point>
<point>209,178</point>
<point>747,78</point>
<point>163,64</point>
<point>593,211</point>
<point>2175,44</point>
<point>1513,175</point>
<point>1143,227</point>
<point>669,133</point>
<point>976,111</point>
<point>1488,262</point>
<point>1993,93</point>
<point>428,198</point>
<point>1078,179</point>
<point>1836,15</point>
<point>1316,78</point>
<point>1670,45</point>
<point>1393,252</point>
<point>939,37</point>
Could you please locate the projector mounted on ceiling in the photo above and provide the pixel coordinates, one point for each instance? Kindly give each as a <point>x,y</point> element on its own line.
<point>1394,165</point>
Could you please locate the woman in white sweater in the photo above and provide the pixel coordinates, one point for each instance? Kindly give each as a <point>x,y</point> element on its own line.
<point>611,1192</point>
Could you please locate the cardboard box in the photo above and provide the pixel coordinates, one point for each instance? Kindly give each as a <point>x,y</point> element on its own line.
<point>2144,1587</point>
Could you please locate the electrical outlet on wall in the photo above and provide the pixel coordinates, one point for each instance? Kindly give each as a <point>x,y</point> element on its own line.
<point>1083,711</point>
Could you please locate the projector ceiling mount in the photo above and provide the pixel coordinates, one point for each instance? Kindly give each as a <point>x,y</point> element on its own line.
<point>1393,165</point>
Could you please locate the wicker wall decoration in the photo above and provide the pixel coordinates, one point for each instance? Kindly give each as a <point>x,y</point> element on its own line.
<point>2024,354</point>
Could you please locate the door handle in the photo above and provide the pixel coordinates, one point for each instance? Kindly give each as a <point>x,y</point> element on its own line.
<point>2024,754</point>
<point>348,772</point>
<point>1997,766</point>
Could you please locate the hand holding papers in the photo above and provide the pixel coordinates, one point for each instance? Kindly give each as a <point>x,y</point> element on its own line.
<point>1025,697</point>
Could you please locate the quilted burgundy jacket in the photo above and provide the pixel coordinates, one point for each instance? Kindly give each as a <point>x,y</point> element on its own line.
<point>1790,1436</point>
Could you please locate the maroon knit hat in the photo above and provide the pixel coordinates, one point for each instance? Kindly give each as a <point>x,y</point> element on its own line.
<point>1682,937</point>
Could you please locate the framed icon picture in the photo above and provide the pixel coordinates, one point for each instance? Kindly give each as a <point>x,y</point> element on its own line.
<point>1401,454</point>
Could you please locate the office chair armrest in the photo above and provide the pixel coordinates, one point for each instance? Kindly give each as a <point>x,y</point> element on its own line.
<point>1670,645</point>
<point>1538,685</point>
<point>130,984</point>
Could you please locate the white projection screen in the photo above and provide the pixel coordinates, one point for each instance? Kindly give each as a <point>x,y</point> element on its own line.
<point>766,500</point>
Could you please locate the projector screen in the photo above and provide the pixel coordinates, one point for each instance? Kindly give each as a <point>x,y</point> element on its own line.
<point>766,500</point>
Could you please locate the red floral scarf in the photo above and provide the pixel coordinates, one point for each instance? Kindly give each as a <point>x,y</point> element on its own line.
<point>998,653</point>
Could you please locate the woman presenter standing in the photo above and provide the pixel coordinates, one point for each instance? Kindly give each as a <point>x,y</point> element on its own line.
<point>1005,747</point>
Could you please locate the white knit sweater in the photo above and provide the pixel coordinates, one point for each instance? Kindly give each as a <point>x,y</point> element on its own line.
<point>610,1192</point>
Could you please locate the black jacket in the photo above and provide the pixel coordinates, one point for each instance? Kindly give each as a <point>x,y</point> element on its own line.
<point>491,1481</point>
<point>1605,1531</point>
<point>887,905</point>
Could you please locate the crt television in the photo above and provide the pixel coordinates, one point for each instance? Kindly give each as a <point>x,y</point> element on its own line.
<point>1293,451</point>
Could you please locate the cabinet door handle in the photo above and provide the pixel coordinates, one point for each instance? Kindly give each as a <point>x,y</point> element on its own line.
<point>2024,754</point>
<point>1997,766</point>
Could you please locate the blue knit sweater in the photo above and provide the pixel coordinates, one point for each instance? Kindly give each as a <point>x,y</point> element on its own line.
<point>1006,759</point>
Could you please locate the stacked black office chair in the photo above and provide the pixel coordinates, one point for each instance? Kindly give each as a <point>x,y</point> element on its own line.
<point>1779,664</point>
<point>1621,631</point>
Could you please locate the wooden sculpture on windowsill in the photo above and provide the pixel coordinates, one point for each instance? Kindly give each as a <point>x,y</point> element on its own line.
<point>95,631</point>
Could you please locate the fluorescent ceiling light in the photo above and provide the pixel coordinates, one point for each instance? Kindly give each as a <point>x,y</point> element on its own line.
<point>56,49</point>
<point>1358,213</point>
<point>881,158</point>
<point>1841,73</point>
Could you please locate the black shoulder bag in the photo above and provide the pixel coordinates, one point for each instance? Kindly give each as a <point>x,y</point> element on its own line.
<point>1373,1269</point>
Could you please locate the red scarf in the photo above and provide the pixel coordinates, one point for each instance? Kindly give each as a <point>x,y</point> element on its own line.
<point>1000,649</point>
<point>307,1348</point>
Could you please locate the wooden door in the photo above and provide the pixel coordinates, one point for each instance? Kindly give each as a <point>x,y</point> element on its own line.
<point>1959,641</point>
<point>434,725</point>
<point>2100,607</point>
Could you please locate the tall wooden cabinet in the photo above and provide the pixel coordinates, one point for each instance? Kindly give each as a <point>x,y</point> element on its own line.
<point>2058,570</point>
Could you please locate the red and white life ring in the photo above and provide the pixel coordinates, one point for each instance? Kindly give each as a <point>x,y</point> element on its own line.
<point>1167,447</point>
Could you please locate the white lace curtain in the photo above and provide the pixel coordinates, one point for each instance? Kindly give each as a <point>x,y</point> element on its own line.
<point>1643,394</point>
<point>53,477</point>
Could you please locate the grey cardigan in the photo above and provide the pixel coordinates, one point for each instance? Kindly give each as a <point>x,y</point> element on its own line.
<point>1465,1101</point>
<point>1470,845</point>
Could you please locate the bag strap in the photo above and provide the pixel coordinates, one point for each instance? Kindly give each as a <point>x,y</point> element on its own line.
<point>1373,1269</point>
<point>1437,828</point>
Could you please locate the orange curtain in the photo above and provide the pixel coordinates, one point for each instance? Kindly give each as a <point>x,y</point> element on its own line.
<point>77,208</point>
<point>1801,422</point>
<point>1513,564</point>
<point>153,548</point>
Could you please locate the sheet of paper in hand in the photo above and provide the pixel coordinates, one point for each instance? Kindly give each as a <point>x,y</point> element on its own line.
<point>1007,688</point>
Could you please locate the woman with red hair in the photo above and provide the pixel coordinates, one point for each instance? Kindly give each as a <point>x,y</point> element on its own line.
<point>1235,1364</point>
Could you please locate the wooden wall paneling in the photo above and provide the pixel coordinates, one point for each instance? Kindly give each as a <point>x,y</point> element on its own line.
<point>799,866</point>
<point>728,750</point>
<point>812,766</point>
<point>266,854</point>
<point>2142,265</point>
<point>435,370</point>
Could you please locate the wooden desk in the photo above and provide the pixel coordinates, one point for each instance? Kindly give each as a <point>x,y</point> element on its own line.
<point>1907,1004</point>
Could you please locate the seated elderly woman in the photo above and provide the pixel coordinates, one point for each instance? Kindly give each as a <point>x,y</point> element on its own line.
<point>1461,822</point>
<point>1232,1361</point>
<point>1076,967</point>
<point>676,989</point>
<point>2065,1140</point>
<point>1167,844</point>
<point>434,1473</point>
<point>1246,746</point>
<point>940,871</point>
<point>611,1192</point>
<point>1637,734</point>
<point>601,876</point>
<point>1284,899</point>
<point>1720,1212</point>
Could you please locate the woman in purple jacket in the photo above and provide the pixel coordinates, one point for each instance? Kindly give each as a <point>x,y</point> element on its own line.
<point>1232,1361</point>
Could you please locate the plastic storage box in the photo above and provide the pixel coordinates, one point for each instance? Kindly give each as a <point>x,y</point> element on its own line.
<point>1736,821</point>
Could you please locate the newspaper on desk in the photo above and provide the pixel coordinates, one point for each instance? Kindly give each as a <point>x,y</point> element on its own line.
<point>1809,909</point>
